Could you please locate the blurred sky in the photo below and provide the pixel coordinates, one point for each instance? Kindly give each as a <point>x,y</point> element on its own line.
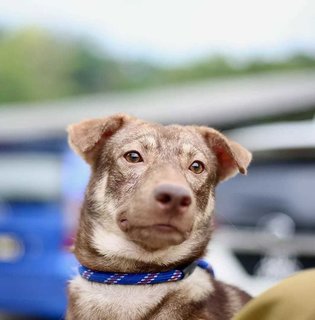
<point>171,31</point>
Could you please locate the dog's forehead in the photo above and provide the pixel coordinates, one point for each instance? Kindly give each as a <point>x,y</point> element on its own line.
<point>157,134</point>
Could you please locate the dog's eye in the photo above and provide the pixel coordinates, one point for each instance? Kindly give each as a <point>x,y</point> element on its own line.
<point>133,157</point>
<point>197,167</point>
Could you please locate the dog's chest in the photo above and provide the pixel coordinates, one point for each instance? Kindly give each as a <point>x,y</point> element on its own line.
<point>95,301</point>
<point>116,302</point>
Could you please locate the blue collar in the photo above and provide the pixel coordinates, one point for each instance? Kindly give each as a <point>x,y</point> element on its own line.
<point>143,278</point>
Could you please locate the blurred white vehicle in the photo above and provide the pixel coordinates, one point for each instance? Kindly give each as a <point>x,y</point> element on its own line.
<point>265,222</point>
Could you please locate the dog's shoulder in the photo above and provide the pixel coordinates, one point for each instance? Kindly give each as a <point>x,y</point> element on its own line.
<point>225,300</point>
<point>203,297</point>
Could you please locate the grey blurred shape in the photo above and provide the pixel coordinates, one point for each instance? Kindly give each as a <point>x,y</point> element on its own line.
<point>213,102</point>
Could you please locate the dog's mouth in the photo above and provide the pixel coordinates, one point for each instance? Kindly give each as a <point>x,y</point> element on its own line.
<point>160,227</point>
<point>153,236</point>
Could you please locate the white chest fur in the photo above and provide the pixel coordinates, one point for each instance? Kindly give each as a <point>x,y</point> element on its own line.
<point>95,300</point>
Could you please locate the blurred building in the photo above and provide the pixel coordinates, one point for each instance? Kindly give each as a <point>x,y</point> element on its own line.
<point>221,103</point>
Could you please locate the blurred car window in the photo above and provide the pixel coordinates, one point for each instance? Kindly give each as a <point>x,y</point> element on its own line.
<point>278,186</point>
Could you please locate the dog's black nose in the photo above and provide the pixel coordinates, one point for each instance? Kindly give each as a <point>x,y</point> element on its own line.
<point>172,197</point>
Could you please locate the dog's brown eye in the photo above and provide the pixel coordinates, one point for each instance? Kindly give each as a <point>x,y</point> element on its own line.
<point>197,167</point>
<point>133,157</point>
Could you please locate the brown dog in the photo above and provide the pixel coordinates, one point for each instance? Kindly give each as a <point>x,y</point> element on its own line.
<point>149,208</point>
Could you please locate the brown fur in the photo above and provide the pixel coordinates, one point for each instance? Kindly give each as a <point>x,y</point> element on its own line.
<point>120,220</point>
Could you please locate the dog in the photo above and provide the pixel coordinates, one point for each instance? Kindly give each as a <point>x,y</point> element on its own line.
<point>148,209</point>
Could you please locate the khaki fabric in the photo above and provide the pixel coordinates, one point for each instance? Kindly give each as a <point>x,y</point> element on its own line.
<point>291,299</point>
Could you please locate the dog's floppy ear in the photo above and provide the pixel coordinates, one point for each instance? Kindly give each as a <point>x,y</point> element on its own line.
<point>85,136</point>
<point>232,157</point>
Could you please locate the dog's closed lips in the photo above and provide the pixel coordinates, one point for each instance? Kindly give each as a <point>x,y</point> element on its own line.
<point>161,227</point>
<point>164,228</point>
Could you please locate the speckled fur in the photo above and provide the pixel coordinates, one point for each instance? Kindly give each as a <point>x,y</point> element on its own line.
<point>120,189</point>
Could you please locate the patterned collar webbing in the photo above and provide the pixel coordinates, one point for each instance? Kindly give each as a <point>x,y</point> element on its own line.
<point>143,278</point>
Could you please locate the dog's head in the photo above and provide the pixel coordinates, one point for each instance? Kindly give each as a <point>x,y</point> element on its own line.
<point>151,192</point>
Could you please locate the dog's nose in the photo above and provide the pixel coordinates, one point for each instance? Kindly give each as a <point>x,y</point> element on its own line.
<point>171,196</point>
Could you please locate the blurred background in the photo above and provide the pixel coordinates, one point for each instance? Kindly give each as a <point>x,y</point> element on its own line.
<point>246,67</point>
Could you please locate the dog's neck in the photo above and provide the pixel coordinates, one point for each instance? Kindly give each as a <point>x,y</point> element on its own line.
<point>138,301</point>
<point>103,260</point>
<point>113,278</point>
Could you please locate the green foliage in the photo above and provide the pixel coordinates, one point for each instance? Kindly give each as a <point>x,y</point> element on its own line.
<point>33,66</point>
<point>36,65</point>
